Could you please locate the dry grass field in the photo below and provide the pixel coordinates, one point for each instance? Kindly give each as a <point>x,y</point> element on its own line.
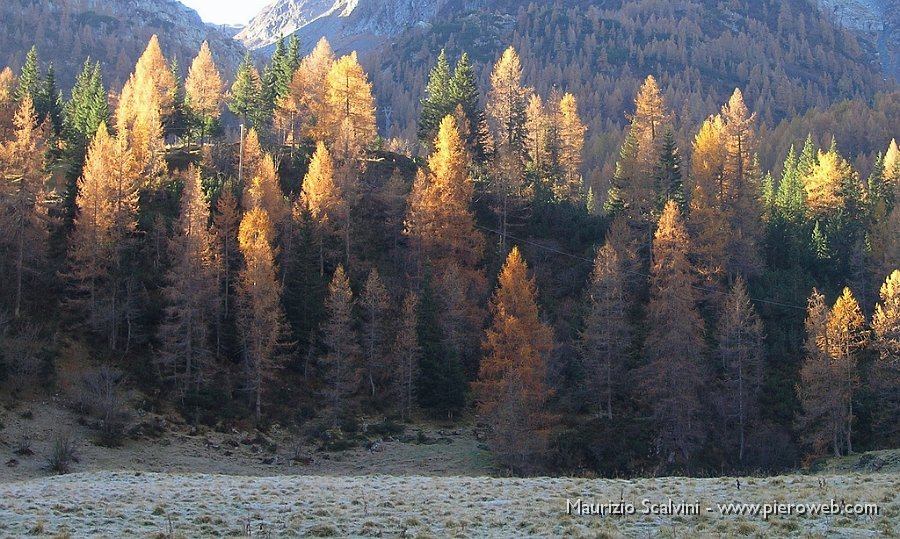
<point>210,484</point>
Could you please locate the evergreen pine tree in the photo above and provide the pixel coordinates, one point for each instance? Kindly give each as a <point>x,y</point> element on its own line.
<point>669,184</point>
<point>464,93</point>
<point>438,100</point>
<point>30,79</point>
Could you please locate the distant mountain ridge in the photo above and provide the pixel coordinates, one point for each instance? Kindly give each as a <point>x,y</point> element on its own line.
<point>115,32</point>
<point>347,24</point>
<point>364,25</point>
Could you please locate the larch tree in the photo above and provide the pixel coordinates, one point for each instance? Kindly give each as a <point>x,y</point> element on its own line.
<point>439,220</point>
<point>260,315</point>
<point>707,221</point>
<point>306,99</point>
<point>407,353</point>
<point>606,336</point>
<point>891,166</point>
<point>823,417</point>
<point>323,198</point>
<point>146,104</point>
<point>374,303</point>
<point>106,218</point>
<point>250,156</point>
<point>226,224</point>
<point>824,184</point>
<point>350,108</point>
<point>742,179</point>
<point>571,144</point>
<point>882,238</point>
<point>511,390</point>
<point>886,342</point>
<point>507,102</point>
<point>846,334</point>
<point>443,233</point>
<point>8,84</point>
<point>633,180</point>
<point>24,200</point>
<point>537,135</point>
<point>342,351</point>
<point>205,89</point>
<point>674,348</point>
<point>190,293</point>
<point>741,348</point>
<point>264,191</point>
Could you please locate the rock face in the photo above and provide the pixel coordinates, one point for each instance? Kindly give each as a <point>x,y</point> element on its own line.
<point>877,24</point>
<point>115,32</point>
<point>282,17</point>
<point>348,24</point>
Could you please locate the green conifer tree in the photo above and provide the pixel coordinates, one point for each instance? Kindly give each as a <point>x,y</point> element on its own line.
<point>437,101</point>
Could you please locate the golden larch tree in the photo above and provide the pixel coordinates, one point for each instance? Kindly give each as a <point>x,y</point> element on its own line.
<point>846,333</point>
<point>24,201</point>
<point>741,348</point>
<point>264,191</point>
<point>8,85</point>
<point>606,336</point>
<point>342,351</point>
<point>204,88</point>
<point>350,108</point>
<point>675,373</point>
<point>742,178</point>
<point>250,161</point>
<point>106,217</point>
<point>825,181</point>
<point>322,197</point>
<point>892,166</point>
<point>145,105</point>
<point>190,293</point>
<point>823,417</point>
<point>507,101</point>
<point>537,135</point>
<point>439,220</point>
<point>260,316</point>
<point>305,105</point>
<point>571,144</point>
<point>511,390</point>
<point>633,188</point>
<point>407,352</point>
<point>886,371</point>
<point>374,303</point>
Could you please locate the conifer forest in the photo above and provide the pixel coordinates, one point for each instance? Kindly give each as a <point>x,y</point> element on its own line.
<point>613,277</point>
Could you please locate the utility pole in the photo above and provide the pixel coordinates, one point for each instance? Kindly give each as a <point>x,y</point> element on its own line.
<point>388,112</point>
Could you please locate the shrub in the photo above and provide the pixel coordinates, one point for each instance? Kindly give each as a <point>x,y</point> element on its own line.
<point>62,455</point>
<point>101,396</point>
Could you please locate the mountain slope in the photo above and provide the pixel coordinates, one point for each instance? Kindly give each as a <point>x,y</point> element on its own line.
<point>348,24</point>
<point>114,32</point>
<point>875,22</point>
<point>785,56</point>
<point>282,17</point>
